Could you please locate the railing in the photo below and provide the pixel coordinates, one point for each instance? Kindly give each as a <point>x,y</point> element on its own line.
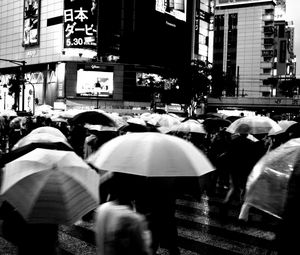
<point>255,102</point>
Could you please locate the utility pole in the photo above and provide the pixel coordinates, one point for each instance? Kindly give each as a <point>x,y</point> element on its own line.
<point>20,63</point>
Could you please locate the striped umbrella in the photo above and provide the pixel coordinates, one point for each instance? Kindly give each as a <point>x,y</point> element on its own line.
<point>50,186</point>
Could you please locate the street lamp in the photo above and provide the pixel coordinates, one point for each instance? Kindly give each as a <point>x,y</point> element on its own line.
<point>22,64</point>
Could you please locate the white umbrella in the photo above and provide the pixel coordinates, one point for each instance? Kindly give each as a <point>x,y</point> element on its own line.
<point>189,126</point>
<point>257,125</point>
<point>151,154</point>
<point>284,124</point>
<point>40,138</point>
<point>50,186</point>
<point>46,130</point>
<point>138,121</point>
<point>163,120</point>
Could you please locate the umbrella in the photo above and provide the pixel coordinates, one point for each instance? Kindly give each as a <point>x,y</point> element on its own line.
<point>190,126</point>
<point>99,128</point>
<point>233,118</point>
<point>131,127</point>
<point>43,108</point>
<point>50,186</point>
<point>284,124</point>
<point>151,154</point>
<point>94,118</point>
<point>267,184</point>
<point>163,120</point>
<point>214,124</point>
<point>48,130</point>
<point>257,124</point>
<point>9,113</point>
<point>69,114</point>
<point>293,130</point>
<point>138,121</point>
<point>20,151</point>
<point>146,116</point>
<point>40,138</point>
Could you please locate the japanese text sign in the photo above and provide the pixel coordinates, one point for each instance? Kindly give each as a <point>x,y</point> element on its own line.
<point>80,24</point>
<point>31,22</point>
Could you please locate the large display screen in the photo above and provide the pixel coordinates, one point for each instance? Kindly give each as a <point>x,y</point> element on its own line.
<point>95,83</point>
<point>31,22</point>
<point>80,23</point>
<point>176,8</point>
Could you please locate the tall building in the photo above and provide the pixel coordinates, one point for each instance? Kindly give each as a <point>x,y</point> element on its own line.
<point>253,45</point>
<point>92,53</point>
<point>244,43</point>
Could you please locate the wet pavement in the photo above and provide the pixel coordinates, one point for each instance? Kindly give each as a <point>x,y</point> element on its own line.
<point>201,231</point>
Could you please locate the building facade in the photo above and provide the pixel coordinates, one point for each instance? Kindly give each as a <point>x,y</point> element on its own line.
<point>253,44</point>
<point>244,44</point>
<point>92,53</point>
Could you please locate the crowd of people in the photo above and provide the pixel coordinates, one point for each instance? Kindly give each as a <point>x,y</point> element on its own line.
<point>145,220</point>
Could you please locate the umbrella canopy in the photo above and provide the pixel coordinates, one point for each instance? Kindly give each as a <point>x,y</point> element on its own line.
<point>151,154</point>
<point>9,113</point>
<point>49,130</point>
<point>163,120</point>
<point>137,128</point>
<point>268,182</point>
<point>40,138</point>
<point>257,124</point>
<point>293,130</point>
<point>43,108</point>
<point>20,151</point>
<point>94,118</point>
<point>135,120</point>
<point>50,186</point>
<point>189,126</point>
<point>233,118</point>
<point>284,124</point>
<point>214,124</point>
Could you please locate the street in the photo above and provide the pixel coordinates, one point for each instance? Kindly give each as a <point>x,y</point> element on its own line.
<point>200,229</point>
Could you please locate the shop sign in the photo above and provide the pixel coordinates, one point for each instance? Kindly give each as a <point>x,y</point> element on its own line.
<point>80,24</point>
<point>31,22</point>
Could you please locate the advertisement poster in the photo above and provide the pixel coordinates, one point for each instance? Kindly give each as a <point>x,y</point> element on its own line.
<point>31,22</point>
<point>94,83</point>
<point>176,8</point>
<point>80,23</point>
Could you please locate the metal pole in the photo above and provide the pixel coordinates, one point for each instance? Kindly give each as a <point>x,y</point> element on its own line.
<point>23,85</point>
<point>237,81</point>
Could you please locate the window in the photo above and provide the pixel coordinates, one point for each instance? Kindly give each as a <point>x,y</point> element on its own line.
<point>281,30</point>
<point>267,70</point>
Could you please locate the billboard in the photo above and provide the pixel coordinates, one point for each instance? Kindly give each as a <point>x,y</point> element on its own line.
<point>175,8</point>
<point>31,22</point>
<point>94,83</point>
<point>80,23</point>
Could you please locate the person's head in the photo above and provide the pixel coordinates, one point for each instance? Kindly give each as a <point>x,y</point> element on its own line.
<point>243,129</point>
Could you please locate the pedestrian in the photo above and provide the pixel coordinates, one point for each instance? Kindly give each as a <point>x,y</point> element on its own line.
<point>119,229</point>
<point>157,202</point>
<point>239,159</point>
<point>33,239</point>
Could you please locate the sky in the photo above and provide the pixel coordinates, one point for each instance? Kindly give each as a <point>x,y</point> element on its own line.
<point>292,13</point>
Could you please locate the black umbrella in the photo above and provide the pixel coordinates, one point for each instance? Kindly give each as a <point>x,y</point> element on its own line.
<point>233,118</point>
<point>93,118</point>
<point>213,124</point>
<point>294,130</point>
<point>131,127</point>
